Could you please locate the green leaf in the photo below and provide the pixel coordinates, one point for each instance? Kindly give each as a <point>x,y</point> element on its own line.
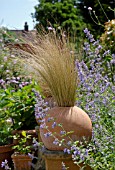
<point>24,133</point>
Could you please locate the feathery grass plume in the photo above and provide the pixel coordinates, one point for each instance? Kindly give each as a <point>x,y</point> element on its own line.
<point>55,67</point>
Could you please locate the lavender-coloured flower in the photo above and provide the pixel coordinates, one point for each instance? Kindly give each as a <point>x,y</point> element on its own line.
<point>43,125</point>
<point>96,43</point>
<point>86,31</point>
<point>49,119</point>
<point>99,47</point>
<point>112,61</point>
<point>96,94</point>
<point>48,134</point>
<point>65,150</point>
<point>75,152</point>
<point>69,143</point>
<point>5,165</point>
<point>20,86</point>
<point>62,132</point>
<point>56,142</point>
<point>78,152</point>
<point>88,35</point>
<point>5,58</point>
<point>82,157</point>
<point>2,81</point>
<point>54,124</point>
<point>31,156</point>
<point>86,152</point>
<point>64,166</point>
<point>68,151</point>
<point>39,115</point>
<point>97,126</point>
<point>106,53</point>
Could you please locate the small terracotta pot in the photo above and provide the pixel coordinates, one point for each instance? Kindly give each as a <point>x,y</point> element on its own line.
<point>21,162</point>
<point>72,119</point>
<point>5,153</point>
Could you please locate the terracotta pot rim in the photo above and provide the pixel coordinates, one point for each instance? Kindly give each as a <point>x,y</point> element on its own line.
<point>6,148</point>
<point>55,154</point>
<point>27,131</point>
<point>16,154</point>
<point>11,144</point>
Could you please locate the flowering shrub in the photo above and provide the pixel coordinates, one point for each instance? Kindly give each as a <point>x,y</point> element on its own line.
<point>12,71</point>
<point>96,95</point>
<point>97,98</point>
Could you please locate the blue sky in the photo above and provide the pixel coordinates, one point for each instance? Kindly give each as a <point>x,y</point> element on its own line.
<point>14,13</point>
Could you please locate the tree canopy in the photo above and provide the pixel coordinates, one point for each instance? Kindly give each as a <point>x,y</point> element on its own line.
<point>64,13</point>
<point>73,15</point>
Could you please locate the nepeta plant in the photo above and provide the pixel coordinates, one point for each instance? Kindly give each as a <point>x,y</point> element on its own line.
<point>96,95</point>
<point>96,57</point>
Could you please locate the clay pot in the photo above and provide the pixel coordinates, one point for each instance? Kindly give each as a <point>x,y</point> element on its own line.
<point>72,119</point>
<point>54,159</point>
<point>5,153</point>
<point>21,162</point>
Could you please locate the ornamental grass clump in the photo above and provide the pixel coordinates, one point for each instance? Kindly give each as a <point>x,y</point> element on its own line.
<point>55,67</point>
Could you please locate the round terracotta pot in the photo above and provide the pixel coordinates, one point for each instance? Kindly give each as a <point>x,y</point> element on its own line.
<point>72,119</point>
<point>21,162</point>
<point>5,153</point>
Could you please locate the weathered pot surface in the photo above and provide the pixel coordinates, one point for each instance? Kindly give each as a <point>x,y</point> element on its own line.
<point>54,160</point>
<point>21,162</point>
<point>72,119</point>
